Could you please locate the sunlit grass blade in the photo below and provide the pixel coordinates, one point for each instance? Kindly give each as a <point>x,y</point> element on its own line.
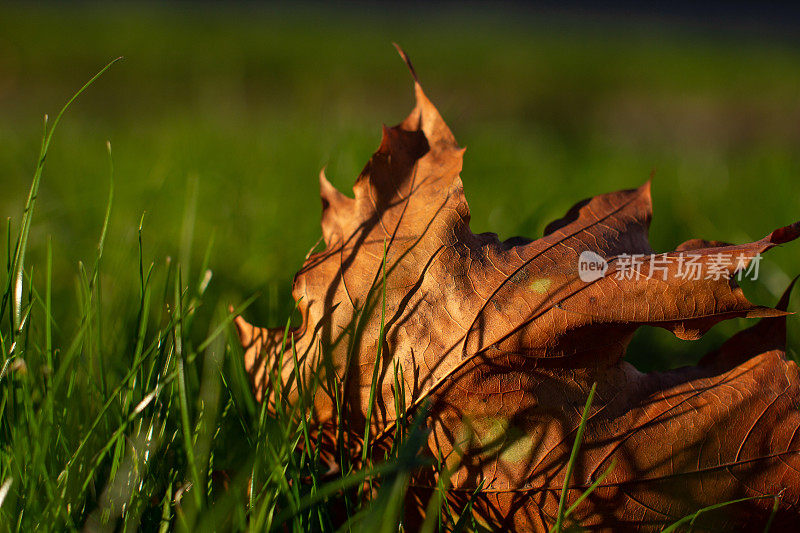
<point>376,366</point>
<point>18,264</point>
<point>557,527</point>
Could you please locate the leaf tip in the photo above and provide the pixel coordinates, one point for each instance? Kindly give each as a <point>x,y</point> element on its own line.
<point>244,329</point>
<point>329,194</point>
<point>386,140</point>
<point>325,186</point>
<point>647,186</point>
<point>767,312</point>
<point>334,204</point>
<point>407,61</point>
<point>785,234</point>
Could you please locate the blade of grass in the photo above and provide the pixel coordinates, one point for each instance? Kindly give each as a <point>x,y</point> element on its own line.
<point>94,284</point>
<point>48,308</point>
<point>591,488</point>
<point>376,367</point>
<point>17,265</point>
<point>183,401</point>
<point>557,527</point>
<point>406,461</point>
<point>466,515</point>
<point>694,516</point>
<point>433,511</point>
<point>773,513</point>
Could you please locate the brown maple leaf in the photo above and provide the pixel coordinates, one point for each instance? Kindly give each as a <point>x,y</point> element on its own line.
<point>506,339</point>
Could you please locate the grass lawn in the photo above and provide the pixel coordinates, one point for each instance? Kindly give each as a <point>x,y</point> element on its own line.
<point>219,122</point>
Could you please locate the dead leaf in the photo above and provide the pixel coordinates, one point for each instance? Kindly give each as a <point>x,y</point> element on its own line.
<point>506,339</point>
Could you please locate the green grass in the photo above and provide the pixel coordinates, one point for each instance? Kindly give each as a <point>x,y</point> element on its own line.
<point>82,449</point>
<point>121,381</point>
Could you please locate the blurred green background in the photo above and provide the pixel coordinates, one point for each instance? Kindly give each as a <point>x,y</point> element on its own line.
<point>221,118</point>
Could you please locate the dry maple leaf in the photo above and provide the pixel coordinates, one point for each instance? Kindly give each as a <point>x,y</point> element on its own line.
<point>506,340</point>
